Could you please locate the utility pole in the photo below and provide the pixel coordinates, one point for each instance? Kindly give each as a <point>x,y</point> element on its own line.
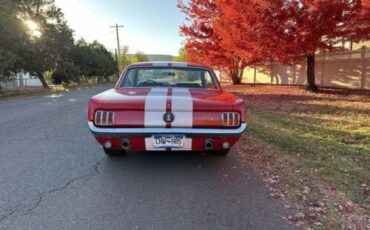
<point>117,61</point>
<point>118,45</point>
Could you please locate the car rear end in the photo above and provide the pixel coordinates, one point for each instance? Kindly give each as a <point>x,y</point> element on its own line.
<point>172,110</point>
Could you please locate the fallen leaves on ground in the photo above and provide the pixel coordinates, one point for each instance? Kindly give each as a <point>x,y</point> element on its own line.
<point>313,198</point>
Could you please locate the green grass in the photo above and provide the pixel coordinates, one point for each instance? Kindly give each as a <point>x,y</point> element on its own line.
<point>344,158</point>
<point>320,141</point>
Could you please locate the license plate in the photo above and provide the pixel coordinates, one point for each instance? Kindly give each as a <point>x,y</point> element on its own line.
<point>168,141</point>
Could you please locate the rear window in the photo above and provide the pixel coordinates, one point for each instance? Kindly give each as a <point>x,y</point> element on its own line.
<point>169,77</point>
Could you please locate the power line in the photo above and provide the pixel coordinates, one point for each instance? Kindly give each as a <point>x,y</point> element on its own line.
<point>92,10</point>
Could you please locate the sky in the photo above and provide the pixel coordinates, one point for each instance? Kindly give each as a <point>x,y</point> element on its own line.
<point>151,26</point>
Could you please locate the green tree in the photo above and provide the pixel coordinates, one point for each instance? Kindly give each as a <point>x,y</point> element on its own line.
<point>181,57</point>
<point>139,57</point>
<point>34,37</point>
<point>66,72</point>
<point>127,59</point>
<point>13,39</point>
<point>106,64</point>
<point>53,43</point>
<point>124,59</point>
<point>93,59</point>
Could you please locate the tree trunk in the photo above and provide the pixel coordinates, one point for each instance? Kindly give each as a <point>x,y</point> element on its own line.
<point>311,85</point>
<point>43,81</point>
<point>235,77</point>
<point>241,73</point>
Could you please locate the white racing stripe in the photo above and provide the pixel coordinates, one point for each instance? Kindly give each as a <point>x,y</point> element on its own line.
<point>155,108</point>
<point>182,108</point>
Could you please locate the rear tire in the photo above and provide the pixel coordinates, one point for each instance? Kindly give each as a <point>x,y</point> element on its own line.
<point>113,152</point>
<point>222,152</point>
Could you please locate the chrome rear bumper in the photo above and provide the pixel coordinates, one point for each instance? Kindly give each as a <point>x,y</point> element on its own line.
<point>148,132</point>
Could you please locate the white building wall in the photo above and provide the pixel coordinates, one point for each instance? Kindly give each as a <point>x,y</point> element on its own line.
<point>20,80</point>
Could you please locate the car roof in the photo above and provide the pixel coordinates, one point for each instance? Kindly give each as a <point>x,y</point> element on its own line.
<point>168,64</point>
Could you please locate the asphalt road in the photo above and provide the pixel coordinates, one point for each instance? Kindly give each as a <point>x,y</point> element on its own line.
<point>53,175</point>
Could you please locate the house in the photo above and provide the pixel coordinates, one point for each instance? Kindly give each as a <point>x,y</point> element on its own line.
<point>19,80</point>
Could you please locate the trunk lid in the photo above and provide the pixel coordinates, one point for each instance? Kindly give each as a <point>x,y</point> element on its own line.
<point>146,107</point>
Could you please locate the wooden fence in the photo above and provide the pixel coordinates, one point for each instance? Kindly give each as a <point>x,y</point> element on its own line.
<point>347,69</point>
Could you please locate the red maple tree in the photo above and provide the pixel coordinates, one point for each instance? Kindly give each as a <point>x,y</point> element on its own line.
<point>233,34</point>
<point>314,25</point>
<point>357,26</point>
<point>210,41</point>
<point>253,29</point>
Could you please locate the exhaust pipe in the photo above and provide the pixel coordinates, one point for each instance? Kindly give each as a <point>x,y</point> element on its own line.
<point>125,144</point>
<point>209,144</point>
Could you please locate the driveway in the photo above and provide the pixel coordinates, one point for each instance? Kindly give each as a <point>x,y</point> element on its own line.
<point>55,176</point>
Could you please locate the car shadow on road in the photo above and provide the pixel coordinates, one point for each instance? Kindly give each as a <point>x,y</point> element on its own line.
<point>172,167</point>
<point>168,161</point>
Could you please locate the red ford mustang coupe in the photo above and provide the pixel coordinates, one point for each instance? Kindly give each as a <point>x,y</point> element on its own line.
<point>159,106</point>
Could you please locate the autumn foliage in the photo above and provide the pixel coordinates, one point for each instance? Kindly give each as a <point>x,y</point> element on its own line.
<point>233,34</point>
